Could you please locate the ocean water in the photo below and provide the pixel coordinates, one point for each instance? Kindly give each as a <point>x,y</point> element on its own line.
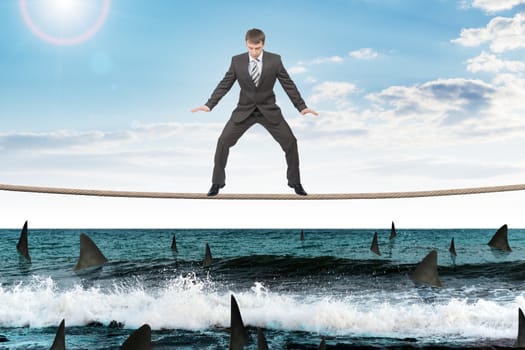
<point>329,285</point>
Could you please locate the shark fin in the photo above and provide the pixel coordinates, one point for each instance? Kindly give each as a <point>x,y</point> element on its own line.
<point>262,344</point>
<point>90,255</point>
<point>500,239</point>
<point>322,346</point>
<point>174,244</point>
<point>207,257</point>
<point>520,342</point>
<point>239,336</point>
<point>60,338</point>
<point>426,272</point>
<point>393,232</point>
<point>375,246</point>
<point>22,245</point>
<point>139,339</point>
<point>452,248</point>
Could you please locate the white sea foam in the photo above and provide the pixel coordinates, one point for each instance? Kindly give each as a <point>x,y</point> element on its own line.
<point>190,303</point>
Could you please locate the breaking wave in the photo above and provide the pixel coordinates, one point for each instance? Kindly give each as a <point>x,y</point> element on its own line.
<point>193,303</point>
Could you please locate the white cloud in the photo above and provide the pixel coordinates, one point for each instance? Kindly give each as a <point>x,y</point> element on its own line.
<point>297,69</point>
<point>310,80</point>
<point>322,60</point>
<point>331,91</point>
<point>492,112</point>
<point>501,33</point>
<point>364,54</point>
<point>487,62</point>
<point>160,152</point>
<point>301,66</point>
<point>454,99</point>
<point>140,137</point>
<point>405,120</point>
<point>445,167</point>
<point>507,107</point>
<point>442,113</point>
<point>492,6</point>
<point>445,132</point>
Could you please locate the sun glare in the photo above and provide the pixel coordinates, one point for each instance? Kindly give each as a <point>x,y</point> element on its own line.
<point>66,10</point>
<point>64,22</point>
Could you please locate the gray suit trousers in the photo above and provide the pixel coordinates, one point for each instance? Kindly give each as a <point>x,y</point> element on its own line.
<point>281,132</point>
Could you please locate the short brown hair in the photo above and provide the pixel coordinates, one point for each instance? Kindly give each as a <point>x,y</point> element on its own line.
<point>255,36</point>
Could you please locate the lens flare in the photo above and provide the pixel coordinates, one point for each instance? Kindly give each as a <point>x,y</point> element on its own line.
<point>85,35</point>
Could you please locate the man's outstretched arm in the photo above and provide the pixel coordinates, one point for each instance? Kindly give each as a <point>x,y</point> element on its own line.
<point>202,108</point>
<point>224,86</point>
<point>292,91</point>
<point>308,110</point>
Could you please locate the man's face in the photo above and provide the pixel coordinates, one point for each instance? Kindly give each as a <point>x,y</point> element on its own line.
<point>254,49</point>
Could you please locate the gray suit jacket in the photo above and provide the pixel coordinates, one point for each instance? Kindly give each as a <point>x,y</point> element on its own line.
<point>262,96</point>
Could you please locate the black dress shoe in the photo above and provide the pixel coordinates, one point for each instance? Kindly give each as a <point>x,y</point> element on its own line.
<point>214,190</point>
<point>298,189</point>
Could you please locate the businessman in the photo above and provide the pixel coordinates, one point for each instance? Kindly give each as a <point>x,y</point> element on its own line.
<point>256,71</point>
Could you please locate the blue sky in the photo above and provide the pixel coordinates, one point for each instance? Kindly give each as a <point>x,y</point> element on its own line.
<point>411,94</point>
<point>155,61</point>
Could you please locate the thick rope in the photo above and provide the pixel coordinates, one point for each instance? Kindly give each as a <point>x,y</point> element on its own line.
<point>263,196</point>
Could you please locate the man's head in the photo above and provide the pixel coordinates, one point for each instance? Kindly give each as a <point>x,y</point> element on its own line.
<point>255,42</point>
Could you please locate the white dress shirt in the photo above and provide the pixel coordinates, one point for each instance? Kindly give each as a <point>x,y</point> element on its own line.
<point>258,63</point>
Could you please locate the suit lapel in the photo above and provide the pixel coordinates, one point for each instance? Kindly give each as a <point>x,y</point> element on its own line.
<point>245,68</point>
<point>265,64</point>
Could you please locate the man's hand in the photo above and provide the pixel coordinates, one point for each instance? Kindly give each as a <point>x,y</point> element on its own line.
<point>308,110</point>
<point>201,109</point>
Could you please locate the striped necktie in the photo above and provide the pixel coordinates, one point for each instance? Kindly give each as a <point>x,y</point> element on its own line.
<point>254,73</point>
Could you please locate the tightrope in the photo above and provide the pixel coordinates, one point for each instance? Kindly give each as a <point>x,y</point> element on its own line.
<point>261,196</point>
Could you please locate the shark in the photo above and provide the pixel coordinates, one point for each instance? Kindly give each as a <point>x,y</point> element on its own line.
<point>375,246</point>
<point>239,336</point>
<point>207,257</point>
<point>393,232</point>
<point>520,341</point>
<point>452,248</point>
<point>90,255</point>
<point>453,254</point>
<point>60,338</point>
<point>322,346</point>
<point>500,239</point>
<point>174,245</point>
<point>426,272</point>
<point>262,344</point>
<point>140,339</point>
<point>22,245</point>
